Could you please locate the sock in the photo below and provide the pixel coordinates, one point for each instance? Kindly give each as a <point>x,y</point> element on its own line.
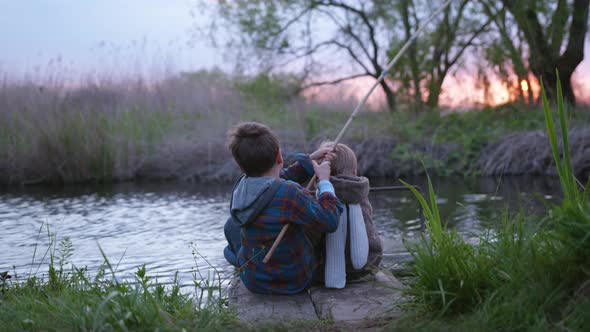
<point>359,241</point>
<point>335,273</point>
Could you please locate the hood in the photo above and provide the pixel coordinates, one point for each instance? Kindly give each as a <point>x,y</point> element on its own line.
<point>250,196</point>
<point>350,189</point>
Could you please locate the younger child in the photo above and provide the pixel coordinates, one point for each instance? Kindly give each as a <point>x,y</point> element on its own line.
<point>265,199</point>
<point>354,250</point>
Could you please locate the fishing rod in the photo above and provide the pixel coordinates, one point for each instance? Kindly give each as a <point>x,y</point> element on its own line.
<point>360,107</point>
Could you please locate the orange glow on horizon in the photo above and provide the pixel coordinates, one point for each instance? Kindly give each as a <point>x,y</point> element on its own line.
<point>459,91</point>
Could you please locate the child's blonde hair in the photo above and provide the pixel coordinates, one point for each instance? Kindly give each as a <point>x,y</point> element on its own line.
<point>345,162</point>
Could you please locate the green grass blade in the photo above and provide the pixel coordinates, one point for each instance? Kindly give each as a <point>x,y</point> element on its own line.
<point>567,166</point>
<point>436,221</point>
<point>434,206</point>
<point>106,260</point>
<point>552,136</point>
<point>586,190</point>
<point>421,200</point>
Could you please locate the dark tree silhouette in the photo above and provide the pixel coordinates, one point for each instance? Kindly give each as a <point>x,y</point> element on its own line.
<point>558,45</point>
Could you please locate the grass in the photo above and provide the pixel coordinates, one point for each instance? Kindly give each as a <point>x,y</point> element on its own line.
<point>175,129</point>
<point>125,131</point>
<point>107,132</point>
<point>527,275</point>
<point>72,299</point>
<point>470,133</point>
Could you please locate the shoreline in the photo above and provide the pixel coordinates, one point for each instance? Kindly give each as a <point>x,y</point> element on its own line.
<point>518,153</point>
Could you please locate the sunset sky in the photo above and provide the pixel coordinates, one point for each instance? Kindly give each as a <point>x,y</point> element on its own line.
<point>148,37</point>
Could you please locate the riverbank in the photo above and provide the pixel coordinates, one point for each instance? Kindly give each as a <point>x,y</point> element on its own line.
<point>78,302</point>
<point>524,275</point>
<point>519,153</point>
<point>175,131</point>
<point>69,298</point>
<point>530,273</point>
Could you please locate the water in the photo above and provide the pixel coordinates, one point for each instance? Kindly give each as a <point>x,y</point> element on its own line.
<point>174,227</point>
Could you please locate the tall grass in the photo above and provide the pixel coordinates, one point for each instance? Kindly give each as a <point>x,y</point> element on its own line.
<point>73,299</point>
<point>525,275</point>
<point>573,217</point>
<point>119,131</point>
<point>450,273</point>
<point>110,131</point>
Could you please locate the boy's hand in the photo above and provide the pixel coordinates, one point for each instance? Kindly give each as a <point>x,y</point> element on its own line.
<point>323,153</point>
<point>322,171</point>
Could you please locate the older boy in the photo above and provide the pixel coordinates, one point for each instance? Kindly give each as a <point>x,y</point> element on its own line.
<point>264,200</point>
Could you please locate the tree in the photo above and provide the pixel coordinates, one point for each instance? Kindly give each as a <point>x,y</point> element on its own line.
<point>505,50</point>
<point>555,32</point>
<point>345,39</point>
<point>430,59</point>
<point>312,37</point>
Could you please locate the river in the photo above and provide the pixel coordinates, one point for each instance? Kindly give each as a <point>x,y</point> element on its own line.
<point>179,227</point>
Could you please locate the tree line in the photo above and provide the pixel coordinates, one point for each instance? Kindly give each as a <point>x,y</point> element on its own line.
<point>516,40</point>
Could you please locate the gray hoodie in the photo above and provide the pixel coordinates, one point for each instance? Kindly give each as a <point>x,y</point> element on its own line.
<point>250,196</point>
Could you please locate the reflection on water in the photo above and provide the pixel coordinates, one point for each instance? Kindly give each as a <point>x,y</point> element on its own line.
<point>469,205</point>
<point>155,224</point>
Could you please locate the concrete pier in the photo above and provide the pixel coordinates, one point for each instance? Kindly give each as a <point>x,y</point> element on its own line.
<point>358,303</point>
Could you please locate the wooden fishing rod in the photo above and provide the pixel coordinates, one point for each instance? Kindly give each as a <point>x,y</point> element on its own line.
<point>360,107</point>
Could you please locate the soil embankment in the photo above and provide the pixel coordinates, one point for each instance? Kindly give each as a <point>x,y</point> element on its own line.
<point>520,153</point>
<point>529,153</point>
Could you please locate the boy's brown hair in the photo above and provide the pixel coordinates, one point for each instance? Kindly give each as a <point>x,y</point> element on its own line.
<point>345,162</point>
<point>254,147</point>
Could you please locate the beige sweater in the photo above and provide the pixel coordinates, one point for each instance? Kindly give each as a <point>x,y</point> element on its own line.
<point>355,190</point>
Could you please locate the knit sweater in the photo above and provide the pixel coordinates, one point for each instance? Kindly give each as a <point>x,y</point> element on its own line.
<point>355,190</point>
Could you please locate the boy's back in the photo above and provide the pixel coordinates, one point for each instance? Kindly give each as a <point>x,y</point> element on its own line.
<point>262,204</point>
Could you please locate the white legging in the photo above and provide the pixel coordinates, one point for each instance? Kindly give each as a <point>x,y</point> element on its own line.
<point>335,273</point>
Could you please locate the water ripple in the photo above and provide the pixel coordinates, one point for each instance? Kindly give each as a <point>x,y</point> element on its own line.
<point>161,225</point>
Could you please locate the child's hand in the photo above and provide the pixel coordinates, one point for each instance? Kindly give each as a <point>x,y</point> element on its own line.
<point>323,153</point>
<point>322,171</point>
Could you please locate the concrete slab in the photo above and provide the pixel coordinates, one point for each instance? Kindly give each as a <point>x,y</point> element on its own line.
<point>359,302</point>
<point>256,307</point>
<point>356,303</point>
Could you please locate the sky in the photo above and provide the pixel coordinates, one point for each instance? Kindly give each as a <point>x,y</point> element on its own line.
<point>89,35</point>
<point>70,38</point>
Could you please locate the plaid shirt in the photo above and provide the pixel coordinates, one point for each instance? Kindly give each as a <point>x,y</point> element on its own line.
<point>290,269</point>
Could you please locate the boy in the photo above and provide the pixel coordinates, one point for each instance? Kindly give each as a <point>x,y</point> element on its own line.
<point>263,202</point>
